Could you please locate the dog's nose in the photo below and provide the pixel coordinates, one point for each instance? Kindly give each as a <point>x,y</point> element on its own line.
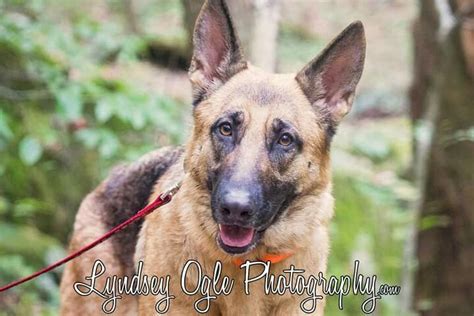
<point>236,206</point>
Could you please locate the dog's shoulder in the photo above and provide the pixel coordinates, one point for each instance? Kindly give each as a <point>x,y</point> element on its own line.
<point>130,185</point>
<point>127,190</point>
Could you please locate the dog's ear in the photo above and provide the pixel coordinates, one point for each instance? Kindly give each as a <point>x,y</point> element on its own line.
<point>329,80</point>
<point>217,55</point>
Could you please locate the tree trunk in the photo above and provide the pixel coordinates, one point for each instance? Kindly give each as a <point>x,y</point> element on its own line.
<point>444,87</point>
<point>256,22</point>
<point>131,16</point>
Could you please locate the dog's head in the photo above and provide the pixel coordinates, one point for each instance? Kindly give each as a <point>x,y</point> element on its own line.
<point>261,141</point>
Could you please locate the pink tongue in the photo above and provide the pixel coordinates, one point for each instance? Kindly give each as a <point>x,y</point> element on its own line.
<point>236,236</point>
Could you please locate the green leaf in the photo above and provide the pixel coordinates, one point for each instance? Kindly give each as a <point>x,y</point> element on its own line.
<point>28,207</point>
<point>69,102</point>
<point>13,266</point>
<point>25,241</point>
<point>109,144</point>
<point>138,119</point>
<point>89,137</point>
<point>103,111</point>
<point>5,130</point>
<point>30,150</point>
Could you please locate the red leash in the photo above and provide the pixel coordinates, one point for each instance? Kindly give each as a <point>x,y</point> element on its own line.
<point>161,200</point>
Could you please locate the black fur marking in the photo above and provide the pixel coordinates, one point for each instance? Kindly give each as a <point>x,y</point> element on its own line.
<point>224,145</point>
<point>279,196</point>
<point>126,191</point>
<point>198,98</point>
<point>281,156</point>
<point>331,128</point>
<point>289,199</point>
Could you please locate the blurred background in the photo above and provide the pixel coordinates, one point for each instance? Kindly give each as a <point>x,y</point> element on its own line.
<point>87,84</point>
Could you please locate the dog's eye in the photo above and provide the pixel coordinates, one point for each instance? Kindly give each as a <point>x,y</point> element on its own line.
<point>225,129</point>
<point>285,140</point>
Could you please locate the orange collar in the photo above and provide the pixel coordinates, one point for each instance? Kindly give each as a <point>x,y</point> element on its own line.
<point>273,258</point>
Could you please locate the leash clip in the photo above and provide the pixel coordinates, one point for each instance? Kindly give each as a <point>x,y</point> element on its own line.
<point>168,194</point>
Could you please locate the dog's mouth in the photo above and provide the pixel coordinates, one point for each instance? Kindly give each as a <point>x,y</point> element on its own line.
<point>236,239</point>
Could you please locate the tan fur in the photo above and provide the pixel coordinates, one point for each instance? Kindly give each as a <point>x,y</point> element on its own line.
<point>186,225</point>
<point>88,227</point>
<point>90,224</point>
<point>185,229</point>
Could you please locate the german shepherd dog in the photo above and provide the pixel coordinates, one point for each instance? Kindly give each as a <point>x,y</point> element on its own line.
<point>255,174</point>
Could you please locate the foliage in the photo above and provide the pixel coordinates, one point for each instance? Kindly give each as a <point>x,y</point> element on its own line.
<point>373,207</point>
<point>63,122</point>
<point>296,47</point>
